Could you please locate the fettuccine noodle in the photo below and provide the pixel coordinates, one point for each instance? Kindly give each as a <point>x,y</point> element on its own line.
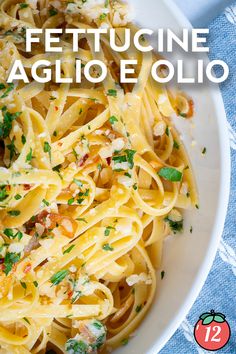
<point>92,179</point>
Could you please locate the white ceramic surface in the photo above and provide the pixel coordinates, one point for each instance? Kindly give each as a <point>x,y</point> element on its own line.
<point>188,257</point>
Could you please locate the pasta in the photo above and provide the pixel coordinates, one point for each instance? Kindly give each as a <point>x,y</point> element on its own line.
<point>92,179</point>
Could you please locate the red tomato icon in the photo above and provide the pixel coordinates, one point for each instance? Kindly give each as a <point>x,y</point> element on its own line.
<point>212,331</point>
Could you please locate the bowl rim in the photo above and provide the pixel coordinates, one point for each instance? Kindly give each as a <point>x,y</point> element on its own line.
<point>223,200</point>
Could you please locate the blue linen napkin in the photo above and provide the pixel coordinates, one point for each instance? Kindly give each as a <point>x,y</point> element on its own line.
<point>219,291</point>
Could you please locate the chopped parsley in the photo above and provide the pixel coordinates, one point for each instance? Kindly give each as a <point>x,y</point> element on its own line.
<point>135,187</point>
<point>204,150</point>
<point>167,131</point>
<point>82,219</point>
<point>176,145</point>
<point>102,16</point>
<point>52,12</point>
<point>29,156</point>
<point>10,234</point>
<point>8,90</point>
<point>17,197</point>
<point>69,249</point>
<point>75,346</point>
<point>113,119</point>
<point>47,148</point>
<point>125,341</point>
<point>10,259</point>
<point>176,226</point>
<point>14,212</point>
<point>23,284</point>
<point>184,115</point>
<point>12,149</point>
<point>196,206</point>
<point>23,5</point>
<point>107,247</point>
<point>130,157</point>
<point>191,230</point>
<point>26,320</point>
<point>6,124</point>
<point>45,202</point>
<point>2,86</point>
<point>108,230</point>
<point>138,308</point>
<point>112,93</point>
<point>170,174</point>
<point>99,166</point>
<point>70,201</point>
<point>162,274</point>
<point>35,283</point>
<point>23,139</point>
<point>128,174</point>
<point>3,193</point>
<point>59,276</point>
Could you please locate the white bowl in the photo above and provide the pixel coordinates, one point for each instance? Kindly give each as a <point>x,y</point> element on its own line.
<point>188,258</point>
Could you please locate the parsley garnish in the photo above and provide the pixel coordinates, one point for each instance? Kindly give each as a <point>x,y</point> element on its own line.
<point>130,157</point>
<point>11,147</point>
<point>47,148</point>
<point>108,230</point>
<point>82,219</point>
<point>8,90</point>
<point>35,283</point>
<point>2,86</point>
<point>23,139</point>
<point>125,341</point>
<point>102,16</point>
<point>69,249</point>
<point>112,93</point>
<point>6,125</point>
<point>59,276</point>
<point>170,174</point>
<point>176,145</point>
<point>52,12</point>
<point>45,202</point>
<point>23,284</point>
<point>3,193</point>
<point>14,212</point>
<point>23,6</point>
<point>29,156</point>
<point>162,274</point>
<point>204,150</point>
<point>26,320</point>
<point>10,234</point>
<point>70,201</point>
<point>176,226</point>
<point>138,308</point>
<point>107,247</point>
<point>10,259</point>
<point>113,119</point>
<point>17,196</point>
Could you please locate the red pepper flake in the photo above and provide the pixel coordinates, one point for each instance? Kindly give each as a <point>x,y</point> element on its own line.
<point>83,160</point>
<point>8,188</point>
<point>27,268</point>
<point>26,187</point>
<point>70,293</point>
<point>2,260</point>
<point>56,108</point>
<point>108,159</point>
